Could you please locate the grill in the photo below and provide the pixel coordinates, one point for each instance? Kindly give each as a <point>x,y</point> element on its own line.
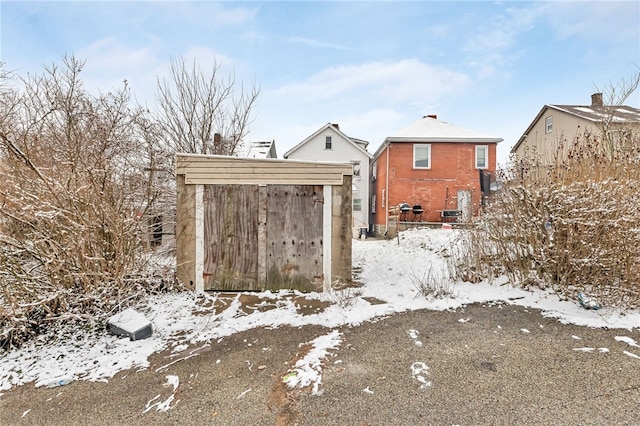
<point>405,209</point>
<point>417,212</point>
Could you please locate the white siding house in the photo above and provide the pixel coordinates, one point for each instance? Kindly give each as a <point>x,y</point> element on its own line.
<point>329,143</point>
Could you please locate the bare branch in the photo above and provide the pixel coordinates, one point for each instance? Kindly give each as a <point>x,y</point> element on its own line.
<point>202,112</point>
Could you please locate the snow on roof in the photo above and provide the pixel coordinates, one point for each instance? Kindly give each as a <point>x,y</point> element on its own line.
<point>430,129</point>
<point>257,149</point>
<point>596,113</point>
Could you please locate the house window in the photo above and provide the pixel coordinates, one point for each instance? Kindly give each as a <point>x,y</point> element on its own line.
<point>383,194</point>
<point>421,156</point>
<point>373,203</point>
<point>374,169</point>
<point>482,157</point>
<point>327,143</point>
<point>356,168</point>
<point>357,204</point>
<point>548,125</point>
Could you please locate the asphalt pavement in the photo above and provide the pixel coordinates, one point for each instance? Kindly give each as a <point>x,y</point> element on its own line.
<point>479,365</point>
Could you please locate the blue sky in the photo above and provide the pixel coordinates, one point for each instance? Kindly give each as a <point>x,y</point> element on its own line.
<point>372,67</point>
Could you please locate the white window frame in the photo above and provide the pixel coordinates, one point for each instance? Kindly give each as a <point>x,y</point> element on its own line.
<point>484,148</point>
<point>548,124</point>
<point>373,203</point>
<point>356,168</point>
<point>357,202</point>
<point>383,194</point>
<point>328,143</point>
<point>422,145</point>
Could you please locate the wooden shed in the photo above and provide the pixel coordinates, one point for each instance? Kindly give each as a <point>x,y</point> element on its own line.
<point>258,224</point>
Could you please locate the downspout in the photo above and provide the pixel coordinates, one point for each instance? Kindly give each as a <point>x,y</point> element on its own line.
<point>386,214</point>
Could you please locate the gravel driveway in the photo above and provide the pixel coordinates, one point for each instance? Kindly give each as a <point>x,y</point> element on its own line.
<point>484,364</point>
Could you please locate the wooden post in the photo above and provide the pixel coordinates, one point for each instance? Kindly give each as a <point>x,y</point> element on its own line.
<point>327,211</point>
<point>342,239</point>
<point>185,233</point>
<point>199,266</point>
<point>262,236</point>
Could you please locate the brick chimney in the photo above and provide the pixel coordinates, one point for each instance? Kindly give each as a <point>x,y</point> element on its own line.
<point>336,125</point>
<point>435,117</point>
<point>596,99</point>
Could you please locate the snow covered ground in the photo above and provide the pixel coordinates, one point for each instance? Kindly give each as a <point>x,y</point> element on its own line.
<point>388,271</point>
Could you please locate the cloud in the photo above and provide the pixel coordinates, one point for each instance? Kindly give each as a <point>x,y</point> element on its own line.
<point>109,62</point>
<point>316,43</point>
<point>489,48</point>
<point>109,55</point>
<point>214,13</point>
<point>610,21</point>
<point>405,81</point>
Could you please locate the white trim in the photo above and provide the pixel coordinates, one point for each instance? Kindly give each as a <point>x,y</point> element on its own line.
<point>422,145</point>
<point>548,125</point>
<point>486,157</point>
<point>199,278</point>
<point>327,210</point>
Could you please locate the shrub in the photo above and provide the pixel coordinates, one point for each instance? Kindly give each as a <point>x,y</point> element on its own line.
<point>74,184</point>
<point>572,226</point>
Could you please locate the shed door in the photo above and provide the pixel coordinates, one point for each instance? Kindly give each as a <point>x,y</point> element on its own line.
<point>291,238</point>
<point>231,237</point>
<point>294,237</point>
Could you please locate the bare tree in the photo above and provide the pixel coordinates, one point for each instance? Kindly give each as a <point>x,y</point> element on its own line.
<point>74,185</point>
<point>615,134</point>
<point>203,112</point>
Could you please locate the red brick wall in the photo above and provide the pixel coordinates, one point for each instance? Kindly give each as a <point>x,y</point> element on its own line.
<point>452,169</point>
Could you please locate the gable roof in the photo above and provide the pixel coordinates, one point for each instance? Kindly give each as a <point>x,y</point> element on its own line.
<point>358,144</point>
<point>594,113</point>
<point>429,129</point>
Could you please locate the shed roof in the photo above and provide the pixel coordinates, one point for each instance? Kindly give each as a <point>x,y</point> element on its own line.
<point>220,169</point>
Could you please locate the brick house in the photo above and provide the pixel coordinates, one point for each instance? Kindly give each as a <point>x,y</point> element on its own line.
<point>434,165</point>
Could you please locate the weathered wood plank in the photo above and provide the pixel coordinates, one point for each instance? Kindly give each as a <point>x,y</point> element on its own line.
<point>185,233</point>
<point>231,237</point>
<point>341,232</point>
<point>262,237</point>
<point>294,237</point>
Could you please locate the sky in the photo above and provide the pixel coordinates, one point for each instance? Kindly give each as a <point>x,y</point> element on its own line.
<point>388,274</point>
<point>373,67</point>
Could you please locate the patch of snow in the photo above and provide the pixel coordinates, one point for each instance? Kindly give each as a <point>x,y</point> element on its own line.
<point>628,340</point>
<point>178,320</point>
<point>420,372</point>
<point>166,404</point>
<point>308,370</point>
<point>243,393</point>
